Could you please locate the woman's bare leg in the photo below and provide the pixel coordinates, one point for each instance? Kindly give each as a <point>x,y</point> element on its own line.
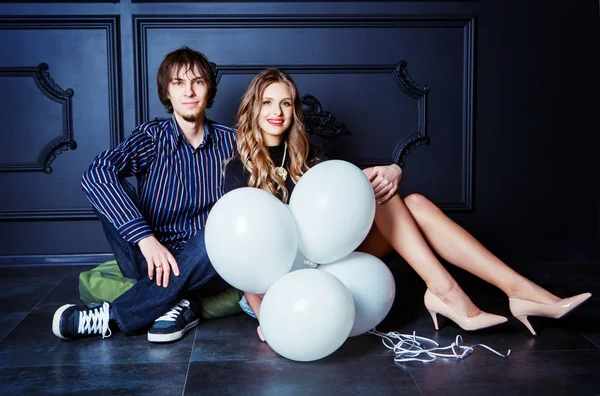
<point>375,243</point>
<point>395,226</point>
<point>460,248</point>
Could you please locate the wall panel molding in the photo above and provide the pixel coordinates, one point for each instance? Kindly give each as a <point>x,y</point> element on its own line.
<point>419,93</point>
<point>54,260</point>
<point>50,89</point>
<point>468,119</point>
<point>62,1</point>
<point>296,1</point>
<point>48,214</point>
<point>145,23</point>
<point>398,71</point>
<point>111,26</point>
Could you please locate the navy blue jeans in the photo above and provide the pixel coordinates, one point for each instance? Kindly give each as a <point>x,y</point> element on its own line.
<point>145,301</point>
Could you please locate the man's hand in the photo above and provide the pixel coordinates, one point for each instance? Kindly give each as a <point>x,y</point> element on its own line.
<point>385,181</point>
<point>159,259</point>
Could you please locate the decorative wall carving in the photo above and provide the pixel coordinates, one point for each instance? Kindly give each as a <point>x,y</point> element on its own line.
<point>59,144</point>
<point>319,122</point>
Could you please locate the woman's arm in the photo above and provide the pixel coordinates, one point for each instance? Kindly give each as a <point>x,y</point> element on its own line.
<point>385,181</point>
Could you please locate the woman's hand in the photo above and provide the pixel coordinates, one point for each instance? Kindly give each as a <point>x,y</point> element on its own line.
<point>159,259</point>
<point>385,181</point>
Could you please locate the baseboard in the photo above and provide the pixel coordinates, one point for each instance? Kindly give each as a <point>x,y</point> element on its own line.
<point>583,252</point>
<point>54,260</point>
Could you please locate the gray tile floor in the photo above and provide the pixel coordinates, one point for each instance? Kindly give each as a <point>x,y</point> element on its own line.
<point>224,356</point>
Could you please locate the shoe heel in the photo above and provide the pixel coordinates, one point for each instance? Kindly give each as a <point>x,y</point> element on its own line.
<point>525,321</point>
<point>434,317</point>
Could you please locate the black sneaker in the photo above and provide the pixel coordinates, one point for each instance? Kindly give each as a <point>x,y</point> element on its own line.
<point>77,321</point>
<point>173,325</point>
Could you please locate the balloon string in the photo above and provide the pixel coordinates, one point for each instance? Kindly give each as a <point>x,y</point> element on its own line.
<point>311,264</point>
<point>410,348</point>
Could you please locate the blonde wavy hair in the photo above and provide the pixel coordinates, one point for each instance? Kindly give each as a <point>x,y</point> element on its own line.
<point>252,150</point>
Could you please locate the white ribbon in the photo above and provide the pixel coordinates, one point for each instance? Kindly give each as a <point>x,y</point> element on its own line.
<point>411,348</point>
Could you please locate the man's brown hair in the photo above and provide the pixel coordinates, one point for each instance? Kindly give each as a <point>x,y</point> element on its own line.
<point>187,58</point>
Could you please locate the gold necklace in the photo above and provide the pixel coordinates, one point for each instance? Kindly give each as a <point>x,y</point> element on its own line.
<point>280,170</point>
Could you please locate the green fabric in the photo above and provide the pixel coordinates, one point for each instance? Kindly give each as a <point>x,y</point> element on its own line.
<point>221,304</point>
<point>103,283</point>
<point>106,283</point>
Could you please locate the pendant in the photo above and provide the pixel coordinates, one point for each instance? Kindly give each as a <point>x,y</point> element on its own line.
<point>281,172</point>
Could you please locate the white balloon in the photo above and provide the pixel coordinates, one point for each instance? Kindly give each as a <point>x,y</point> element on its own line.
<point>251,239</point>
<point>301,262</point>
<point>306,315</point>
<point>371,284</point>
<point>333,206</point>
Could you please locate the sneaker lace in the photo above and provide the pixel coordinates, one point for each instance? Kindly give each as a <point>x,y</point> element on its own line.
<point>95,321</point>
<point>172,314</point>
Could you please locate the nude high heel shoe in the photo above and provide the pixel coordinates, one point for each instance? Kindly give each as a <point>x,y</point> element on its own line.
<point>436,306</point>
<point>521,309</point>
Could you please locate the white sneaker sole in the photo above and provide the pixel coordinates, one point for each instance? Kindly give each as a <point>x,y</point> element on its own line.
<point>172,336</point>
<point>56,321</point>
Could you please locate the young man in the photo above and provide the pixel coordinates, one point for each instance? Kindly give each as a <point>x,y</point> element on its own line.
<point>157,235</point>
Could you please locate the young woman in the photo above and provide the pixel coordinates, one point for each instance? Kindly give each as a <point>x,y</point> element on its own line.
<point>274,152</point>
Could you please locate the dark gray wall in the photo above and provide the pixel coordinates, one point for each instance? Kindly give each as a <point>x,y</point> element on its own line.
<point>511,108</point>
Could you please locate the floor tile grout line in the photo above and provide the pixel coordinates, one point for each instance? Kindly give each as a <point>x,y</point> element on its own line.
<point>190,361</point>
<point>16,324</point>
<point>416,383</point>
<point>589,339</point>
<point>31,310</point>
<point>513,351</point>
<point>47,294</point>
<point>97,364</point>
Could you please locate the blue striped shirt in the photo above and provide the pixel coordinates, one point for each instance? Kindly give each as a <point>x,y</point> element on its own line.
<point>177,184</point>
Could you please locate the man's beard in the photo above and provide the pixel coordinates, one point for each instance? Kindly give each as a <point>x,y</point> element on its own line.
<point>193,117</point>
